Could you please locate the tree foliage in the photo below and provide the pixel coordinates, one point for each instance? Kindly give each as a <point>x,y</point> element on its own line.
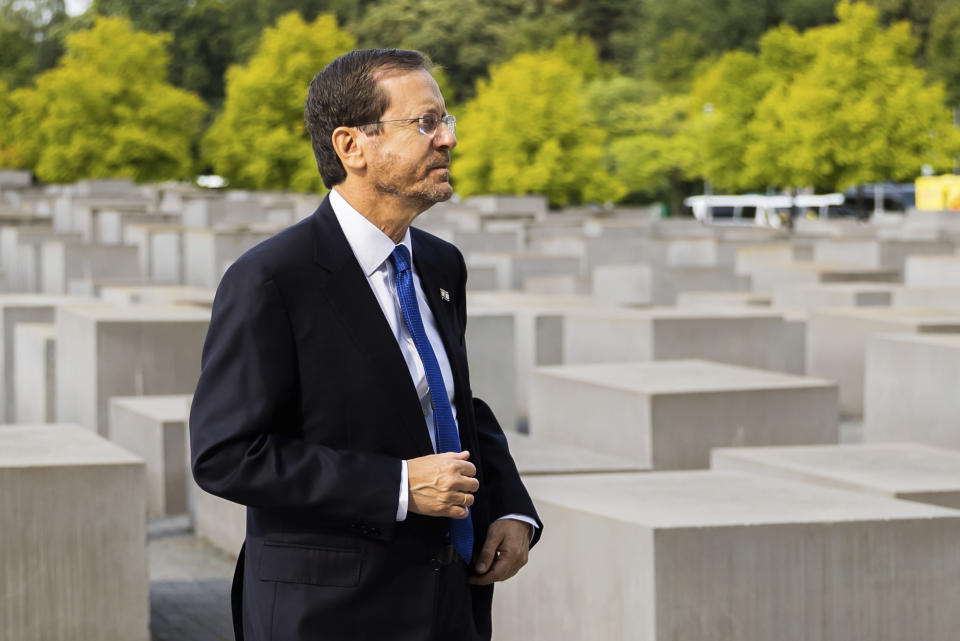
<point>528,131</point>
<point>858,111</point>
<point>106,110</point>
<point>31,38</point>
<point>259,141</point>
<point>943,49</point>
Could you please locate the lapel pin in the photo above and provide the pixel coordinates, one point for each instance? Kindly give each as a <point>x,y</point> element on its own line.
<point>444,295</point>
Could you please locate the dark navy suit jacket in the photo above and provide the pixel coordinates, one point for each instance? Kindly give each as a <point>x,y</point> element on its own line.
<point>303,412</point>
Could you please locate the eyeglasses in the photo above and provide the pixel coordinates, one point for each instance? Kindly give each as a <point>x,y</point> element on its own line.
<point>428,123</point>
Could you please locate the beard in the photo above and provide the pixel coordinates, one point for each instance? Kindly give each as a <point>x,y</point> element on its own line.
<point>424,185</point>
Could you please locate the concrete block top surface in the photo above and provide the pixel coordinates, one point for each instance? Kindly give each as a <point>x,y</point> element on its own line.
<point>748,298</point>
<point>832,268</point>
<point>44,330</point>
<point>541,456</point>
<point>41,300</point>
<point>159,408</point>
<point>145,313</point>
<point>894,468</point>
<point>155,292</point>
<point>909,316</point>
<point>937,341</point>
<point>853,287</point>
<point>680,377</point>
<point>679,313</point>
<point>526,300</point>
<point>792,314</point>
<point>58,445</point>
<point>663,500</point>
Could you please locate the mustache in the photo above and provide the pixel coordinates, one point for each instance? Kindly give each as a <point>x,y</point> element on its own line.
<point>440,163</point>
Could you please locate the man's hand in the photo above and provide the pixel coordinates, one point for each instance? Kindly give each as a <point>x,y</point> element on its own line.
<point>442,484</point>
<point>504,552</point>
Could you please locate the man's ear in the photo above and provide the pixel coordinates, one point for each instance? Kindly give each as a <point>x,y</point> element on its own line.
<point>347,144</point>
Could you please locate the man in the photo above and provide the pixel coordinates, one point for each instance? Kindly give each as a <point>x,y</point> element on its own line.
<point>334,399</point>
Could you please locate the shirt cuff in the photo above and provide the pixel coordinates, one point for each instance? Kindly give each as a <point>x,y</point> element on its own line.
<point>404,492</point>
<point>525,519</point>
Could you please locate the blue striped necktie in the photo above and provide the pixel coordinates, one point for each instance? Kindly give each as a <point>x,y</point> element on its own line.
<point>448,439</point>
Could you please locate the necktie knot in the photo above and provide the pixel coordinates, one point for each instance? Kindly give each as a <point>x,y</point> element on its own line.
<point>400,258</point>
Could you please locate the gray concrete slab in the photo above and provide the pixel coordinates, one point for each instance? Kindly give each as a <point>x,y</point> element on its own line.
<point>836,342</point>
<point>669,414</point>
<point>73,551</point>
<point>749,337</point>
<point>715,556</point>
<point>34,373</point>
<point>208,252</point>
<point>155,429</point>
<point>492,356</point>
<point>909,471</point>
<point>708,299</point>
<point>535,456</point>
<point>767,278</point>
<point>513,269</point>
<point>820,295</point>
<point>932,271</point>
<point>132,350</point>
<point>910,389</point>
<point>887,253</point>
<point>15,309</point>
<point>64,260</point>
<point>217,521</point>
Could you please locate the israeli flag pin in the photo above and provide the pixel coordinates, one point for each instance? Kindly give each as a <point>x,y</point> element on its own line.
<point>444,295</point>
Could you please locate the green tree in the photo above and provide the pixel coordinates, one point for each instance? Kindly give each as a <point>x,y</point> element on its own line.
<point>31,38</point>
<point>8,157</point>
<point>529,131</point>
<point>650,155</point>
<point>259,141</point>
<point>459,35</point>
<point>106,110</point>
<point>943,49</point>
<point>202,41</point>
<point>856,111</point>
<point>723,102</point>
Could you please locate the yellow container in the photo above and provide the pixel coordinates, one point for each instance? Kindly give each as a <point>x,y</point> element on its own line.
<point>938,193</point>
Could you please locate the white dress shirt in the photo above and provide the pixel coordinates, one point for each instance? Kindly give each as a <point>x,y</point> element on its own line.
<point>372,248</point>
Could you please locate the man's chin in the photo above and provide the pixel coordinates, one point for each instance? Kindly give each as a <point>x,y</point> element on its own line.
<point>437,193</point>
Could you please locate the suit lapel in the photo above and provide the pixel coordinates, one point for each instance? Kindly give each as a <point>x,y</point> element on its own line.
<point>349,293</point>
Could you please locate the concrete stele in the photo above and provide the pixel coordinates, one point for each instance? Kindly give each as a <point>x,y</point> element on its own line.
<point>490,339</point>
<point>538,322</point>
<point>821,295</point>
<point>909,471</point>
<point>74,543</point>
<point>932,271</point>
<point>34,373</point>
<point>669,414</point>
<point>910,390</point>
<point>715,556</point>
<point>748,337</point>
<point>110,350</point>
<point>836,342</point>
<point>155,429</point>
<point>767,278</point>
<point>736,299</point>
<point>15,309</point>
<point>535,456</point>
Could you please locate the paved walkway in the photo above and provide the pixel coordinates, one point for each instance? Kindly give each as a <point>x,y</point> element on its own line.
<point>189,585</point>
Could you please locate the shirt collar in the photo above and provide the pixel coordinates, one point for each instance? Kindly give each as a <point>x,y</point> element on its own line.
<point>370,245</point>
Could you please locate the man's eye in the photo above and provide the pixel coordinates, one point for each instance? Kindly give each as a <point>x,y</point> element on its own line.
<point>429,121</point>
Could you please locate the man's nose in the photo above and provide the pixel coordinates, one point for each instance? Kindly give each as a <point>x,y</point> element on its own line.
<point>444,137</point>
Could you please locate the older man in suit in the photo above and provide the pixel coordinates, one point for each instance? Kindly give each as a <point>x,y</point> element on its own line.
<point>334,399</point>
